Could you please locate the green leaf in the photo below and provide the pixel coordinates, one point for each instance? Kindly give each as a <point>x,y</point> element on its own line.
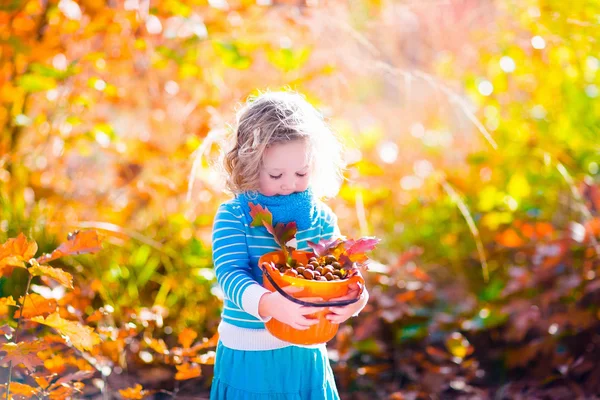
<point>492,291</point>
<point>410,332</point>
<point>36,83</point>
<point>288,59</point>
<point>231,56</point>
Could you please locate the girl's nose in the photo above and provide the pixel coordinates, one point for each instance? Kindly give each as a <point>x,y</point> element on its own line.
<point>287,186</point>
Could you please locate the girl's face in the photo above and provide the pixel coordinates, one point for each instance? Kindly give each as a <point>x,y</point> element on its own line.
<point>285,168</point>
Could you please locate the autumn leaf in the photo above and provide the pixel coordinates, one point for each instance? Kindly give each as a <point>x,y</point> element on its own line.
<point>5,302</point>
<point>509,238</point>
<point>458,345</point>
<point>23,353</point>
<point>20,389</point>
<point>186,337</point>
<point>205,359</point>
<point>260,215</point>
<point>82,337</point>
<point>134,393</point>
<point>43,381</point>
<point>77,243</point>
<point>325,246</point>
<point>187,371</point>
<point>75,376</point>
<point>66,391</point>
<point>361,245</point>
<point>34,305</point>
<point>158,345</point>
<point>283,233</point>
<point>63,277</point>
<point>15,252</point>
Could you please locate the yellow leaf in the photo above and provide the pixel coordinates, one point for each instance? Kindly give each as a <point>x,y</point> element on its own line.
<point>187,371</point>
<point>63,277</point>
<point>82,337</point>
<point>518,187</point>
<point>458,345</point>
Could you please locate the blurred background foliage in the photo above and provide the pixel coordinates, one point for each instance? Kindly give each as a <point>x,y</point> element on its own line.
<point>472,135</point>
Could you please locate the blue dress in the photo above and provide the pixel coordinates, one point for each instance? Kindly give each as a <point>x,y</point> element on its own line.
<point>290,373</point>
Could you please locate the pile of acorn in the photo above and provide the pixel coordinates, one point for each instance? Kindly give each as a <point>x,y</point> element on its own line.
<point>325,268</point>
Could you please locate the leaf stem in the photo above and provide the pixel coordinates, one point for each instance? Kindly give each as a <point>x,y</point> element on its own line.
<point>16,336</point>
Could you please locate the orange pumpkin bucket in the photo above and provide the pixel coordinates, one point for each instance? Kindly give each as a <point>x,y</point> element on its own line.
<point>327,290</point>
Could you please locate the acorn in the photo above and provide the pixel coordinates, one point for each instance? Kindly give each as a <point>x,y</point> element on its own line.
<point>336,265</point>
<point>291,272</point>
<point>328,276</point>
<point>308,274</point>
<point>330,259</point>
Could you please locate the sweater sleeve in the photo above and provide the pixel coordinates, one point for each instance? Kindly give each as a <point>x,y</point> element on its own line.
<point>330,224</point>
<point>232,262</point>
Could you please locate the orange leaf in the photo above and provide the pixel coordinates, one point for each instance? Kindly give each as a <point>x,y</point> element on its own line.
<point>16,251</point>
<point>186,337</point>
<point>187,371</point>
<point>158,345</point>
<point>260,215</point>
<point>82,337</point>
<point>78,243</point>
<point>20,389</point>
<point>509,238</point>
<point>205,359</point>
<point>134,393</point>
<point>212,342</point>
<point>43,381</point>
<point>63,277</point>
<point>36,305</point>
<point>23,353</point>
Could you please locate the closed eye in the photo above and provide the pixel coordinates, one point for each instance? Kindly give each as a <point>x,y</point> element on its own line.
<point>301,175</point>
<point>276,177</point>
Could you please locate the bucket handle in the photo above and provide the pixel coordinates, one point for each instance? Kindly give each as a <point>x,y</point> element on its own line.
<point>337,303</point>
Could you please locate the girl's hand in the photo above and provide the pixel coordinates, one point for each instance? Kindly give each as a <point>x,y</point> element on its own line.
<point>341,314</point>
<point>276,306</point>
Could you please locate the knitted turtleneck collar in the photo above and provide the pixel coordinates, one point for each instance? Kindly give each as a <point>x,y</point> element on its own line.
<point>300,206</point>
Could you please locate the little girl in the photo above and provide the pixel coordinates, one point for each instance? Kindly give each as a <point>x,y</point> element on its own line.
<point>284,157</point>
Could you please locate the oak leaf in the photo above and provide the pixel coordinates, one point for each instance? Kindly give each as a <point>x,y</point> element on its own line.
<point>82,337</point>
<point>77,243</point>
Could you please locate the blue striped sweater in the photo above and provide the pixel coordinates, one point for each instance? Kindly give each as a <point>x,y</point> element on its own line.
<point>237,246</point>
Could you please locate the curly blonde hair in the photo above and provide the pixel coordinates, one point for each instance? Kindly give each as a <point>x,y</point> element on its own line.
<point>279,117</point>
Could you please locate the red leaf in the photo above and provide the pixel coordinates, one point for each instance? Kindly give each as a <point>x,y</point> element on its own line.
<point>283,233</point>
<point>260,215</point>
<point>78,243</point>
<point>361,245</point>
<point>325,246</point>
<point>23,353</point>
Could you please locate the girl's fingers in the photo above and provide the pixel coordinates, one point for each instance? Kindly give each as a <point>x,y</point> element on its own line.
<point>311,299</point>
<point>298,326</point>
<point>350,295</point>
<point>309,310</point>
